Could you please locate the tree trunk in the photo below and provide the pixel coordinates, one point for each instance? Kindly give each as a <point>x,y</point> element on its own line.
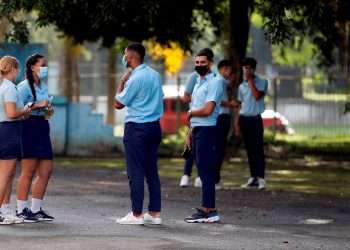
<point>111,86</point>
<point>239,30</point>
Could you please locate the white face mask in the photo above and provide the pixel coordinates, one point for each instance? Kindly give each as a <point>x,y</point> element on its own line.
<point>43,73</point>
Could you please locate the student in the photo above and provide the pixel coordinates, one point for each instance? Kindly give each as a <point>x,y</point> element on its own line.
<point>140,90</point>
<point>12,111</point>
<point>251,93</point>
<point>37,149</point>
<point>189,86</point>
<point>224,119</point>
<point>206,99</point>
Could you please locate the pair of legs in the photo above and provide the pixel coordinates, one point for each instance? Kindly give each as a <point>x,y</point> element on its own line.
<point>42,168</point>
<point>223,127</point>
<point>141,141</point>
<point>252,132</point>
<point>204,150</point>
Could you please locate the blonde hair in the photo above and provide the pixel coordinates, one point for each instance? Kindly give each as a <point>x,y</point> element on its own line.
<point>7,63</point>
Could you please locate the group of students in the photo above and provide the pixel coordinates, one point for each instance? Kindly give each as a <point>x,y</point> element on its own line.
<point>140,91</point>
<point>25,138</point>
<point>231,111</point>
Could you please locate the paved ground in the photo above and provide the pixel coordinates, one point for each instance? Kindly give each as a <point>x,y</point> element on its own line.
<point>86,203</point>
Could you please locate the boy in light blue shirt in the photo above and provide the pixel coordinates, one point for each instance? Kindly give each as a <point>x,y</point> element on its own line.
<point>140,91</point>
<point>205,105</point>
<point>251,95</point>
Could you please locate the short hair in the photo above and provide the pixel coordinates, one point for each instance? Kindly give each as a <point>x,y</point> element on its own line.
<point>225,63</point>
<point>249,61</point>
<point>138,48</point>
<point>206,52</point>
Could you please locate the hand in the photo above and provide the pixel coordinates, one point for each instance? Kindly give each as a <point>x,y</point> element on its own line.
<point>126,76</point>
<point>50,111</point>
<point>42,104</point>
<point>189,140</point>
<point>26,110</point>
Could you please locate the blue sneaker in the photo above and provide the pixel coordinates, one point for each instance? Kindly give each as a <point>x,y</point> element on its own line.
<point>202,217</point>
<point>27,216</point>
<point>42,215</point>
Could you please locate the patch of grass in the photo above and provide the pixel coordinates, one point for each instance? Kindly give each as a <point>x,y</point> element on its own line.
<point>308,174</point>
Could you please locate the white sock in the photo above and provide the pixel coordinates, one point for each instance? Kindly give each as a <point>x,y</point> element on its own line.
<point>36,205</point>
<point>6,208</point>
<point>21,205</point>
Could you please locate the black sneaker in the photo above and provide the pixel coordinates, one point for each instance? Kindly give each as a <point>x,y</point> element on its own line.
<point>42,215</point>
<point>199,217</point>
<point>27,216</point>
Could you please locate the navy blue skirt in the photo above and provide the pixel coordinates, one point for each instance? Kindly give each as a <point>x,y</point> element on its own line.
<point>36,138</point>
<point>10,140</point>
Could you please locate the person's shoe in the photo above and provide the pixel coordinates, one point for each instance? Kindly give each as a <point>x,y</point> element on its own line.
<point>13,218</point>
<point>219,185</point>
<point>213,216</point>
<point>185,179</point>
<point>42,215</point>
<point>149,219</point>
<point>5,221</point>
<point>27,216</point>
<point>251,183</point>
<point>261,183</point>
<point>130,219</point>
<point>198,182</point>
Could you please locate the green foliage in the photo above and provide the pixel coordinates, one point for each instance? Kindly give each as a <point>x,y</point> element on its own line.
<point>89,20</point>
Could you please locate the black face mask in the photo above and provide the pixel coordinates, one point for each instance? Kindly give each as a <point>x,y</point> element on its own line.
<point>202,70</point>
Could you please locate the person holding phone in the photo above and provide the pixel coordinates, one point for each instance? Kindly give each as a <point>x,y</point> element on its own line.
<point>251,93</point>
<point>37,148</point>
<point>12,111</point>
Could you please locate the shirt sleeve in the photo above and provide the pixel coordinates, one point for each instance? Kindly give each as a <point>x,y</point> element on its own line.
<point>190,82</point>
<point>215,92</point>
<point>11,95</point>
<point>129,92</point>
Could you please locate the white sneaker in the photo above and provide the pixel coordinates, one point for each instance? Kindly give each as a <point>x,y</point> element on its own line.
<point>149,219</point>
<point>261,183</point>
<point>5,221</point>
<point>185,179</point>
<point>130,219</point>
<point>13,218</point>
<point>250,183</point>
<point>198,182</point>
<point>219,185</point>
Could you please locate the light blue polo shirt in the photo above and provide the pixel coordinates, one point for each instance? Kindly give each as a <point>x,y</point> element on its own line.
<point>225,84</point>
<point>206,90</point>
<point>249,105</point>
<point>193,79</point>
<point>42,93</point>
<point>9,93</point>
<point>142,95</point>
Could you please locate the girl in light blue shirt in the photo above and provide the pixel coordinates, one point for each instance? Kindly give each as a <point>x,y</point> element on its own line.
<point>11,114</point>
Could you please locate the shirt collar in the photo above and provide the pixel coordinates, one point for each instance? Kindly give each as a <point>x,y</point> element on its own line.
<point>139,67</point>
<point>7,81</point>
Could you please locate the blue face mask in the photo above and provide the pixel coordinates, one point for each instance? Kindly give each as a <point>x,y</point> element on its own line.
<point>124,61</point>
<point>43,73</point>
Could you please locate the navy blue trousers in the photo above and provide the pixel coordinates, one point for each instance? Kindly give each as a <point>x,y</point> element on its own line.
<point>252,131</point>
<point>141,141</point>
<point>204,150</point>
<point>223,127</point>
